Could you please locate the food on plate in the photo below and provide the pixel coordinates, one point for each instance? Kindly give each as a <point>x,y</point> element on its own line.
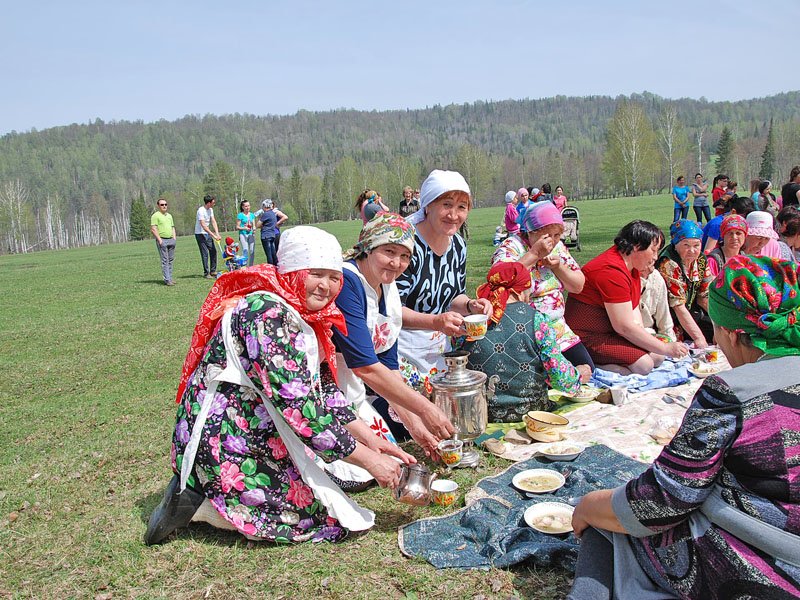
<point>554,523</point>
<point>553,518</point>
<point>559,449</point>
<point>538,483</point>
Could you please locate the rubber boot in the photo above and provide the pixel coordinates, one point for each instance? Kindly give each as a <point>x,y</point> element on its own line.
<point>175,511</point>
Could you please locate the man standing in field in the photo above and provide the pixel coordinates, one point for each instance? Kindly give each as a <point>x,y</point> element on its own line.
<point>205,238</point>
<point>163,228</point>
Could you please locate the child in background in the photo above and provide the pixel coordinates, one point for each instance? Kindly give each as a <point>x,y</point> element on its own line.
<point>730,191</point>
<point>229,254</point>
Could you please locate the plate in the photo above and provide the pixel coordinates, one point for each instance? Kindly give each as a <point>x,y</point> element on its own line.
<point>562,450</point>
<point>702,370</point>
<point>534,513</point>
<point>551,481</point>
<point>587,393</point>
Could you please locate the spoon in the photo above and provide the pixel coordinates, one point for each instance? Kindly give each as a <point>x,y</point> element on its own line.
<point>679,400</point>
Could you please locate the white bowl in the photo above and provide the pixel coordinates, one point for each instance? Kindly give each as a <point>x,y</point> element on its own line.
<point>557,481</point>
<point>562,450</point>
<point>544,509</point>
<point>586,393</point>
<point>703,370</point>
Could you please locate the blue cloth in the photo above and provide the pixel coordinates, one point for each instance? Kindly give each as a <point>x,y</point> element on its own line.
<point>268,220</point>
<point>491,532</point>
<point>711,230</point>
<point>682,192</point>
<point>668,374</point>
<point>356,346</point>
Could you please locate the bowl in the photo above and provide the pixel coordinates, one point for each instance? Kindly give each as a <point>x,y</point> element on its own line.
<point>560,514</point>
<point>702,369</point>
<point>563,451</point>
<point>538,481</point>
<point>587,393</point>
<point>451,452</point>
<point>444,491</point>
<point>544,426</point>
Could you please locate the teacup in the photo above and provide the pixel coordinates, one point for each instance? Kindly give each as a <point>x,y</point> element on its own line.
<point>544,426</point>
<point>476,326</point>
<point>451,451</point>
<point>444,492</point>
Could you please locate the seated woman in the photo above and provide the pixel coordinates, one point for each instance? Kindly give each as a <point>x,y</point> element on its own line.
<point>717,515</point>
<point>520,348</point>
<point>685,269</point>
<point>762,239</point>
<point>654,305</point>
<point>433,288</point>
<point>367,353</point>
<point>788,220</point>
<point>539,248</point>
<point>606,313</point>
<point>732,233</point>
<point>258,389</point>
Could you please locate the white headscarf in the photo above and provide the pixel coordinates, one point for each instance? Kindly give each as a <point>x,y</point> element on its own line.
<point>436,184</point>
<point>510,195</point>
<point>305,247</point>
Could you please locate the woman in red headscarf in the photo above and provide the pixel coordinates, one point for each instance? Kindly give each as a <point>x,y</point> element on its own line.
<point>258,405</point>
<point>520,350</point>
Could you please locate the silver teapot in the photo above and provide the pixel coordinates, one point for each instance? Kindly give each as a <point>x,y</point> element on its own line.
<point>461,394</point>
<point>415,485</point>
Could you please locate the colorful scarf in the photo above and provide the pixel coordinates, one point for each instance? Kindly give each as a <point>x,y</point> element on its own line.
<point>732,222</point>
<point>384,228</point>
<point>540,214</point>
<point>503,278</point>
<point>759,295</point>
<point>684,229</point>
<point>232,287</point>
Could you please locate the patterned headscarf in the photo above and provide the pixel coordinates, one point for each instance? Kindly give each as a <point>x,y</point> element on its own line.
<point>233,286</point>
<point>759,295</point>
<point>684,229</point>
<point>503,278</point>
<point>732,223</point>
<point>540,214</point>
<point>384,228</point>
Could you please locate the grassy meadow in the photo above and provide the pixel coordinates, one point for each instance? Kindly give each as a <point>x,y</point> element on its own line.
<point>94,343</point>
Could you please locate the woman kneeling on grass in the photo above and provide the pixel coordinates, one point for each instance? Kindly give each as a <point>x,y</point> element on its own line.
<point>718,513</point>
<point>258,389</point>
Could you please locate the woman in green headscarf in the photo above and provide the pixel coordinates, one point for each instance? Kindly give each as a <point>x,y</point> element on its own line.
<point>717,515</point>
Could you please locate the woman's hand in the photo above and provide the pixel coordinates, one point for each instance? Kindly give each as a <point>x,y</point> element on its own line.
<point>385,470</point>
<point>449,323</point>
<point>426,440</point>
<point>585,373</point>
<point>676,349</point>
<point>579,522</point>
<point>436,422</point>
<point>700,343</point>
<point>383,446</point>
<point>479,306</point>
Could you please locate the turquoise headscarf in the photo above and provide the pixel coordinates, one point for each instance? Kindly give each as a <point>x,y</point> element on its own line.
<point>684,229</point>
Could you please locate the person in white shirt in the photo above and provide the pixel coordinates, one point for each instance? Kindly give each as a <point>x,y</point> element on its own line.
<point>204,224</point>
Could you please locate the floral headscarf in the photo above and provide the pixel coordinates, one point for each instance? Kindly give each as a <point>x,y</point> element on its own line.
<point>684,229</point>
<point>384,228</point>
<point>503,278</point>
<point>540,214</point>
<point>232,287</point>
<point>732,223</point>
<point>759,295</point>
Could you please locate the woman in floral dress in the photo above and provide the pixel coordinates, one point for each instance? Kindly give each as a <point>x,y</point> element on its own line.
<point>520,349</point>
<point>538,246</point>
<point>258,390</point>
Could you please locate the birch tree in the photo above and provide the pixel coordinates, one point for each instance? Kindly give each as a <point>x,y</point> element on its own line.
<point>672,139</point>
<point>14,216</point>
<point>630,157</point>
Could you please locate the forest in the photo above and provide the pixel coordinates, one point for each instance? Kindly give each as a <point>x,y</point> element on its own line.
<point>95,183</point>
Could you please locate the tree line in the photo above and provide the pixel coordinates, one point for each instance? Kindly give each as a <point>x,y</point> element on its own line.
<point>84,184</point>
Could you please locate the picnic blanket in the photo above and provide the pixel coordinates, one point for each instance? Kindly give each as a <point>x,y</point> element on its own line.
<point>491,531</point>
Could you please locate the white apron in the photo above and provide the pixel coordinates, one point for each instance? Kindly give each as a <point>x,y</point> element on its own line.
<point>338,505</point>
<point>384,330</point>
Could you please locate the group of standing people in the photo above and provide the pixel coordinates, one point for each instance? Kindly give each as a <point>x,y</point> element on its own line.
<point>267,221</point>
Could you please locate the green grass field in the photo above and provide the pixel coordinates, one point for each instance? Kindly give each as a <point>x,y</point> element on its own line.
<point>93,343</point>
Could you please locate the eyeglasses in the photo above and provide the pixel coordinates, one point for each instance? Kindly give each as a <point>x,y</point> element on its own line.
<point>162,203</point>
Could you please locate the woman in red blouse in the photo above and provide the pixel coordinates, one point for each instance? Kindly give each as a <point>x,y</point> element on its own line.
<point>606,313</point>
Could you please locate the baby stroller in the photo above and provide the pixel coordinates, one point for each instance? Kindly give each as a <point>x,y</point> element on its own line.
<point>572,220</point>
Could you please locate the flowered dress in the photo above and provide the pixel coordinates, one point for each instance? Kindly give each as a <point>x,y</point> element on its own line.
<point>547,296</point>
<point>242,464</point>
<point>740,439</point>
<point>686,287</point>
<point>522,351</point>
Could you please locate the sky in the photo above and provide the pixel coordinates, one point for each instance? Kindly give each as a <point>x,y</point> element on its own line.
<point>74,62</point>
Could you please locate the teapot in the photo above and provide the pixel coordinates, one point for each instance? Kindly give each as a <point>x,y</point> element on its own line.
<point>415,485</point>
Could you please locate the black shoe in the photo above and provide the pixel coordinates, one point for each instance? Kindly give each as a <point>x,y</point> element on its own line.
<point>175,511</point>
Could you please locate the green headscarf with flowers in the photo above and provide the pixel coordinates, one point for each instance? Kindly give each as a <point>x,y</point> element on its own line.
<point>384,228</point>
<point>759,296</point>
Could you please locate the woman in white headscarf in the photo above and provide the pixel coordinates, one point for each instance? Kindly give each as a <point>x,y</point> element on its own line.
<point>257,392</point>
<point>434,286</point>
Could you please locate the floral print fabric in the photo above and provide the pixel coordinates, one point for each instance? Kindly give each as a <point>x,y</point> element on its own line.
<point>547,296</point>
<point>242,465</point>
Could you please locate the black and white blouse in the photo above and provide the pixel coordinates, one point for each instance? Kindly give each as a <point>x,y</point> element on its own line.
<point>431,282</point>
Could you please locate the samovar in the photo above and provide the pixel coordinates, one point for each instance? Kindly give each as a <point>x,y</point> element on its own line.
<point>460,393</point>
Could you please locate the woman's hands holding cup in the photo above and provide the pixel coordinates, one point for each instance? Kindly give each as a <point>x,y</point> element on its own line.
<point>449,323</point>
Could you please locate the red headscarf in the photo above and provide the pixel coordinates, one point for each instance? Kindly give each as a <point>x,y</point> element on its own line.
<point>232,287</point>
<point>503,278</point>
